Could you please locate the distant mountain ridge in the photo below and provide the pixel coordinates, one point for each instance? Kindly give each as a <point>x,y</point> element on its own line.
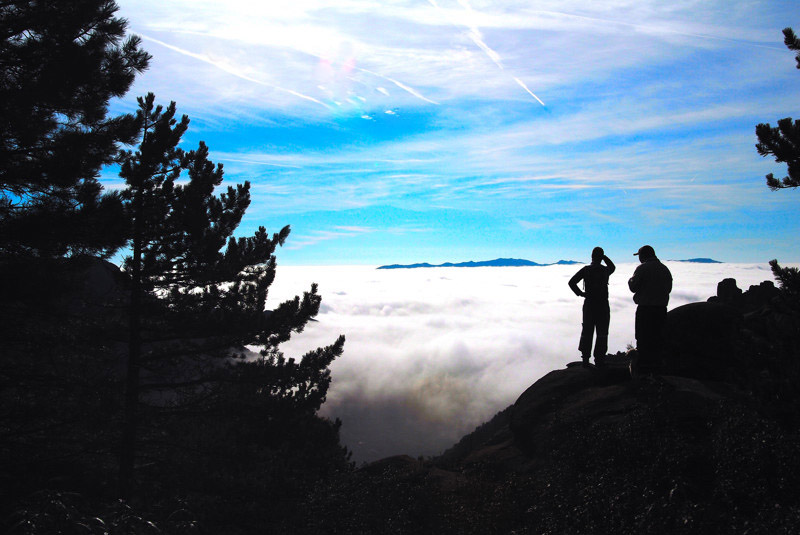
<point>517,262</point>
<point>700,261</point>
<point>498,262</point>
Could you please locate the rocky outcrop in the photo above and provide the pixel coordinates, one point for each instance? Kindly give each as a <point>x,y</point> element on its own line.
<point>702,340</point>
<point>588,450</point>
<point>592,399</point>
<point>756,297</point>
<point>707,446</point>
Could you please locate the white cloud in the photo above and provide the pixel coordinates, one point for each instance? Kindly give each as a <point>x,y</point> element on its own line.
<point>317,236</point>
<point>637,107</point>
<point>432,353</point>
<point>237,71</point>
<point>434,52</point>
<point>511,166</point>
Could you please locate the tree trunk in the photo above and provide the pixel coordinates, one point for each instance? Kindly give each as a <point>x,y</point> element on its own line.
<point>127,456</point>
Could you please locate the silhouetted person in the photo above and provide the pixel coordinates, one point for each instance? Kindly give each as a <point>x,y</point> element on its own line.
<point>596,313</point>
<point>651,284</point>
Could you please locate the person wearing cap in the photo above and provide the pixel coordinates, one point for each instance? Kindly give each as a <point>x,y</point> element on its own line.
<point>651,284</point>
<point>596,313</point>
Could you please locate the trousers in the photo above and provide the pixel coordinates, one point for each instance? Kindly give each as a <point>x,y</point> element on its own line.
<point>596,317</point>
<point>650,322</point>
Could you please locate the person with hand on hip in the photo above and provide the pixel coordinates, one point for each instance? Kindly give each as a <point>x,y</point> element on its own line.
<point>596,312</point>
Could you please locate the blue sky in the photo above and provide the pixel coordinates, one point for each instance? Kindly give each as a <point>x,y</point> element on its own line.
<point>449,130</point>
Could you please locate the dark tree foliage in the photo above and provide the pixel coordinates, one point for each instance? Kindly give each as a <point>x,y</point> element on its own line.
<point>792,43</point>
<point>783,142</point>
<point>59,386</point>
<point>60,64</point>
<point>147,365</point>
<point>197,298</point>
<point>788,278</point>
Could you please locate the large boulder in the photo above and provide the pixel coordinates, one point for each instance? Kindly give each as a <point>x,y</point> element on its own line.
<point>564,397</point>
<point>756,297</point>
<point>728,292</point>
<point>579,401</point>
<point>701,340</point>
<point>97,287</point>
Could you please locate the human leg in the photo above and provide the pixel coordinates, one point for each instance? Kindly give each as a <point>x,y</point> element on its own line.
<point>587,332</point>
<point>602,314</point>
<point>650,321</point>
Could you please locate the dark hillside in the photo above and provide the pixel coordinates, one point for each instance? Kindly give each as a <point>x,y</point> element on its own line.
<point>232,461</point>
<point>709,446</point>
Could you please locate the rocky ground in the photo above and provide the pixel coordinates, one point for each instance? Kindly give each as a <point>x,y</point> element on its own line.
<point>710,445</point>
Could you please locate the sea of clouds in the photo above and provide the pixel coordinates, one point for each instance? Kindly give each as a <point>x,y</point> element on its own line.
<point>432,353</point>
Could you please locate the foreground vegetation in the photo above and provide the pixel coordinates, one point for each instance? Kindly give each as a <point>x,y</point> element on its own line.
<point>130,402</point>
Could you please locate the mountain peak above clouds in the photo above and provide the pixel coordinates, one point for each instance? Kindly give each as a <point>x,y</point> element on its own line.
<point>700,261</point>
<point>498,262</point>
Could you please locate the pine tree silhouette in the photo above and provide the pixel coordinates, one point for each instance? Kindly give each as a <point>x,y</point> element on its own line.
<point>193,304</point>
<point>60,64</point>
<point>783,142</point>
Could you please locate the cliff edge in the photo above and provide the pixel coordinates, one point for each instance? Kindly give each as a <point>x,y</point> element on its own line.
<point>710,445</point>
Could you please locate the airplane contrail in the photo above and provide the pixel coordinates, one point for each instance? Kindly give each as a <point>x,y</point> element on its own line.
<point>475,34</point>
<point>525,87</point>
<point>233,71</point>
<point>494,56</point>
<point>401,85</point>
<point>477,37</point>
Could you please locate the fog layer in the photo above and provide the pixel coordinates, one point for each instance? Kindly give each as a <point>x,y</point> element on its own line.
<point>432,353</point>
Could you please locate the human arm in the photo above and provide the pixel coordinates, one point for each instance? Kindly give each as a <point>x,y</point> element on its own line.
<point>573,283</point>
<point>635,282</point>
<point>610,264</point>
<point>669,280</point>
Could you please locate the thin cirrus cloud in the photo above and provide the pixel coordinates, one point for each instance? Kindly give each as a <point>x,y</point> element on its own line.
<point>317,236</point>
<point>476,36</point>
<point>650,111</point>
<point>516,162</point>
<point>230,69</point>
<point>441,33</point>
<point>296,52</point>
<point>432,353</point>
